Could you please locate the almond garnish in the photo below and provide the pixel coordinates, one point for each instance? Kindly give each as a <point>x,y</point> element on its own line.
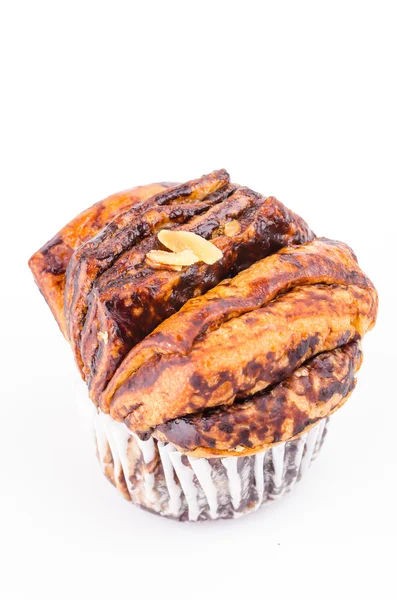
<point>182,241</point>
<point>175,259</point>
<point>103,336</point>
<point>231,228</point>
<point>239,448</point>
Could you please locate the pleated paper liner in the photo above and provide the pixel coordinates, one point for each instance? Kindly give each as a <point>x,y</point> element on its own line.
<point>157,477</point>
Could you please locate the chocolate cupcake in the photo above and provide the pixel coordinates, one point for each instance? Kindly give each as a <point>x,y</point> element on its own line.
<point>216,335</point>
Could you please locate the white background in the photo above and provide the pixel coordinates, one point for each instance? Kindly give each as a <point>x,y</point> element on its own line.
<point>294,99</point>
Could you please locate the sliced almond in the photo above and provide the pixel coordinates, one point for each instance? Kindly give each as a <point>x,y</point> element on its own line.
<point>180,241</point>
<point>178,259</point>
<point>239,448</point>
<point>156,265</point>
<point>232,228</point>
<point>103,336</point>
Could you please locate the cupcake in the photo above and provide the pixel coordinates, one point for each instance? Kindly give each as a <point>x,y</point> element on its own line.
<point>216,336</point>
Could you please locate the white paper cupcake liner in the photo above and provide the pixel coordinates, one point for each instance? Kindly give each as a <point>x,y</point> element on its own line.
<point>159,478</point>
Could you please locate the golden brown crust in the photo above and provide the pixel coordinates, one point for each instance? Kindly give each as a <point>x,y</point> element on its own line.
<point>239,346</point>
<point>202,452</point>
<point>131,298</point>
<point>50,262</point>
<point>320,261</point>
<point>278,414</point>
<point>95,256</point>
<point>244,355</point>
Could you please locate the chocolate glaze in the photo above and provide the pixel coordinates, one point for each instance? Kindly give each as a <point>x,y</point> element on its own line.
<point>258,348</point>
<point>265,226</point>
<point>252,422</point>
<point>50,262</point>
<point>114,299</point>
<point>96,255</point>
<point>56,254</point>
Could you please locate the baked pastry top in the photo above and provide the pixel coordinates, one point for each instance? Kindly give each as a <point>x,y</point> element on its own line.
<point>243,336</point>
